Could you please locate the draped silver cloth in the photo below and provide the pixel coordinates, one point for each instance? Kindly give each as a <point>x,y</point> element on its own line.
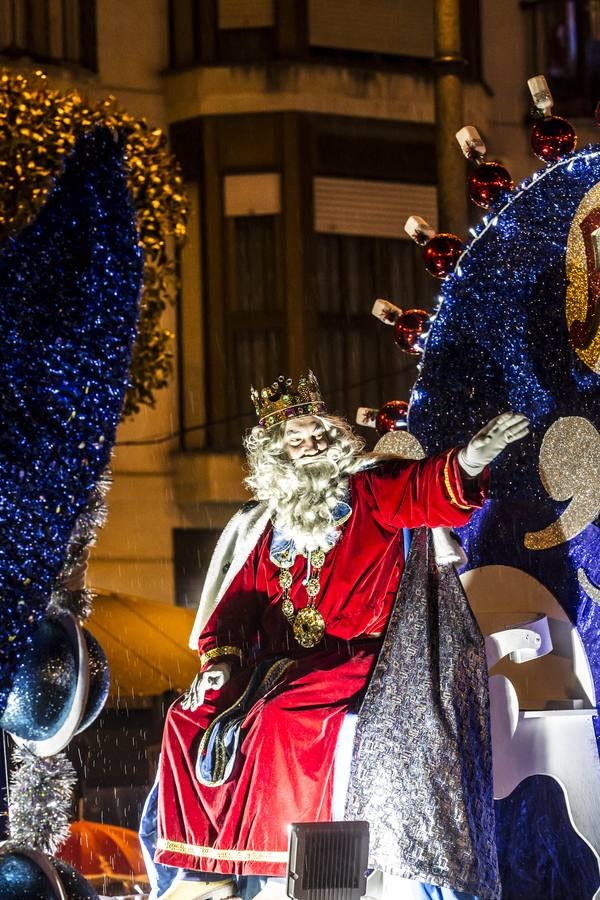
<point>422,764</point>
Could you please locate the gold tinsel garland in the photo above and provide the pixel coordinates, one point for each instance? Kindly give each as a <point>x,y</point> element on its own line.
<point>38,126</point>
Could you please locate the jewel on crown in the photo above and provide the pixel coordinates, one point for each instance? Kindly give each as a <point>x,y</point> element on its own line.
<point>284,400</point>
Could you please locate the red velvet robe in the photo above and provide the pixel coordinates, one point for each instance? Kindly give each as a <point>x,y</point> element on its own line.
<point>284,769</point>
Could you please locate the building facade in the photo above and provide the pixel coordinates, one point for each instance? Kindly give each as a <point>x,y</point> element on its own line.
<point>305,130</point>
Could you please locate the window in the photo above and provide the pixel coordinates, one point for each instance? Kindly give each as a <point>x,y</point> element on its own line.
<point>292,261</point>
<point>359,364</point>
<point>253,290</point>
<point>255,318</point>
<point>192,551</point>
<point>372,26</point>
<point>373,33</point>
<point>184,31</point>
<point>228,31</point>
<point>60,31</point>
<point>234,14</point>
<point>362,254</point>
<point>565,46</point>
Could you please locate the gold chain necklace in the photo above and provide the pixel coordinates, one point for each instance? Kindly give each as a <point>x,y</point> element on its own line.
<point>308,625</point>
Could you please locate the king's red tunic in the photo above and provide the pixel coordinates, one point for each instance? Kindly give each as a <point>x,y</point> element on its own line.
<point>284,768</point>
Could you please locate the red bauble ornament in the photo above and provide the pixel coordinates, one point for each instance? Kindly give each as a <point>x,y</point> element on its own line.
<point>407,329</point>
<point>392,416</point>
<point>488,182</point>
<point>441,254</point>
<point>552,138</point>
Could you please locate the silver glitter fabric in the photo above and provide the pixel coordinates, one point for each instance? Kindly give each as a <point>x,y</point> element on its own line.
<point>422,766</point>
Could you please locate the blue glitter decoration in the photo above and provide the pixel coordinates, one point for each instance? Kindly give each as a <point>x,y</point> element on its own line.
<point>499,341</point>
<point>22,879</point>
<point>69,288</point>
<point>26,876</point>
<point>43,691</point>
<point>541,875</point>
<point>75,885</point>
<point>99,681</point>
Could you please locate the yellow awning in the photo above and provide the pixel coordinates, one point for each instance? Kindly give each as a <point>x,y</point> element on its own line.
<point>145,643</point>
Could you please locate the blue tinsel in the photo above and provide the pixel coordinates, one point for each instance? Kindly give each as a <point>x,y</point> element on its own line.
<point>500,341</point>
<point>69,288</point>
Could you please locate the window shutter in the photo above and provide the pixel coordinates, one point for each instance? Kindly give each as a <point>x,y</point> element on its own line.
<point>400,27</point>
<point>373,208</point>
<point>246,14</point>
<point>252,195</point>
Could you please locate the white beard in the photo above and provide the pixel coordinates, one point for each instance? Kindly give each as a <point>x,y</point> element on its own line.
<point>303,501</point>
<point>302,495</point>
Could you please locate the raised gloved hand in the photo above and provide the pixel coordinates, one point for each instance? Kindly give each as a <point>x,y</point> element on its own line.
<point>491,441</point>
<point>212,679</point>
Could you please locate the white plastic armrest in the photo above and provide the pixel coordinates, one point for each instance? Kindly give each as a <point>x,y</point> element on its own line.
<point>522,644</point>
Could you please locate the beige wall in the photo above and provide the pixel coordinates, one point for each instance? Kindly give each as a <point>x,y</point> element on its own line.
<point>310,88</point>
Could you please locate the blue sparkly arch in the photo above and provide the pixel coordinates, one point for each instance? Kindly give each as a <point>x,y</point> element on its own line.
<point>499,341</point>
<point>69,289</point>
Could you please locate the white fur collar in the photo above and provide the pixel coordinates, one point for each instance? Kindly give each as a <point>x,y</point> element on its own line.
<point>238,539</point>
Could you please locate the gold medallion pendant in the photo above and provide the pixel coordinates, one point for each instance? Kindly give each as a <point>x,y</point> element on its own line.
<point>308,627</point>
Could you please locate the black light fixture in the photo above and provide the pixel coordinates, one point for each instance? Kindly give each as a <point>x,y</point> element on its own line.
<point>328,860</point>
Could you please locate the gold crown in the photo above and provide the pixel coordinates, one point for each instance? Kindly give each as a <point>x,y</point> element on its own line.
<point>283,400</point>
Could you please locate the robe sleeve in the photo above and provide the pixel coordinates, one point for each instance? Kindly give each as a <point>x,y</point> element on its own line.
<point>432,492</point>
<point>230,633</point>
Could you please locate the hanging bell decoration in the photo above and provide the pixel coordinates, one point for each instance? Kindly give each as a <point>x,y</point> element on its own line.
<point>441,251</point>
<point>392,416</point>
<point>552,137</point>
<point>487,181</point>
<point>408,324</point>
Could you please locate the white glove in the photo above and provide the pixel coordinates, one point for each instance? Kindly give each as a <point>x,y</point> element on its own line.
<point>491,441</point>
<point>212,679</point>
<point>447,548</point>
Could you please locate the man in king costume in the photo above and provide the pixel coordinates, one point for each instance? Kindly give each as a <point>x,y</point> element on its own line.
<point>290,623</point>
